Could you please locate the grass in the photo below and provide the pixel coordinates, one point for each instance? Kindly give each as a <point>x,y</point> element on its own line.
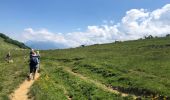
<point>11,74</point>
<point>139,67</point>
<point>5,45</point>
<point>58,84</point>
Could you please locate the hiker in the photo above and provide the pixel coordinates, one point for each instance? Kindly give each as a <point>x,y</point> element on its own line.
<point>33,64</point>
<point>8,58</point>
<point>38,65</point>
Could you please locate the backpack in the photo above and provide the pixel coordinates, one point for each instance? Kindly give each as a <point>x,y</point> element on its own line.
<point>34,60</point>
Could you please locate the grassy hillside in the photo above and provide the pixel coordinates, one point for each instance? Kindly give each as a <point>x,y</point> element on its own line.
<point>5,45</point>
<point>140,68</point>
<point>11,74</point>
<point>7,39</point>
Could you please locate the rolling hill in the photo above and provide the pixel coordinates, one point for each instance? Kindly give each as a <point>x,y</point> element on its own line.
<point>11,74</point>
<point>4,40</point>
<point>138,69</point>
<point>132,69</point>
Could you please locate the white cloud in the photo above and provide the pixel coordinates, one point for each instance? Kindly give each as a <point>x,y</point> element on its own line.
<point>137,23</point>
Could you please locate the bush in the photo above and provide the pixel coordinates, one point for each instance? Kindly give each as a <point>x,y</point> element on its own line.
<point>149,37</point>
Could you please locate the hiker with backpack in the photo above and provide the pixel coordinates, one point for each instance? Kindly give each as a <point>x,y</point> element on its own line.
<point>33,64</point>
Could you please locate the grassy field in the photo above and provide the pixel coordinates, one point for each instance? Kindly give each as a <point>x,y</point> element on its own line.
<point>140,68</point>
<point>57,84</point>
<point>11,74</point>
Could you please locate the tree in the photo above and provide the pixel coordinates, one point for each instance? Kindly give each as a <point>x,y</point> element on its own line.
<point>149,37</point>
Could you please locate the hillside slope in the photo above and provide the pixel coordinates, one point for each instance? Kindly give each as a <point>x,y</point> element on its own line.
<point>4,40</point>
<point>140,68</point>
<point>11,74</point>
<point>115,71</point>
<point>5,45</point>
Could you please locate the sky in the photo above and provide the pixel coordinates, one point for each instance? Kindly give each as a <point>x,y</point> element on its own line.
<point>71,23</point>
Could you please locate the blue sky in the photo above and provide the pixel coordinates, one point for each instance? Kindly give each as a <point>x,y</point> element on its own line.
<point>66,16</point>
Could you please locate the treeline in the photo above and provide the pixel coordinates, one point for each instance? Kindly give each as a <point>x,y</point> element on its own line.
<point>15,42</point>
<point>151,37</point>
<point>147,37</point>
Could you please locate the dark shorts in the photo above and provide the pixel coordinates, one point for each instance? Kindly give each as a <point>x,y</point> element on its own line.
<point>33,68</point>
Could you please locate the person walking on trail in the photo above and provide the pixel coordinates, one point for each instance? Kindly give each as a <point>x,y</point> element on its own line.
<point>33,64</point>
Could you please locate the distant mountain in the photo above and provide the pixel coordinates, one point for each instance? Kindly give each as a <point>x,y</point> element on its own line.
<point>11,43</point>
<point>44,45</point>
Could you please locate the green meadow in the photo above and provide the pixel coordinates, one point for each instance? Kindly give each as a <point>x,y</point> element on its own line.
<point>140,68</point>
<point>134,69</point>
<point>11,74</point>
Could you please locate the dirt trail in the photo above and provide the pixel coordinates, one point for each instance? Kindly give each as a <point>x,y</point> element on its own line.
<point>21,93</point>
<point>98,84</point>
